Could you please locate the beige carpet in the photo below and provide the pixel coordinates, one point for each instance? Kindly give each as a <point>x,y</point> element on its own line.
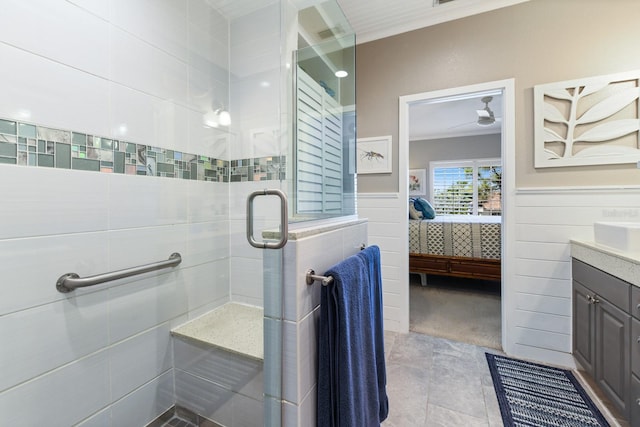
<point>457,309</point>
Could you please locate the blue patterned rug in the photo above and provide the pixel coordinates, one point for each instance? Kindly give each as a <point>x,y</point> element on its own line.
<point>536,395</point>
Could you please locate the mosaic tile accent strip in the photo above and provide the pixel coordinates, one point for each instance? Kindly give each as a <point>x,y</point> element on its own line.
<point>27,144</point>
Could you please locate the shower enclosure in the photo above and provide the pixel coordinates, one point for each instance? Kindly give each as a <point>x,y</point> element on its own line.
<point>132,130</point>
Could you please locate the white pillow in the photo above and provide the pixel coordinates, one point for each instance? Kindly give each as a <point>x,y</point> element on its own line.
<point>413,212</point>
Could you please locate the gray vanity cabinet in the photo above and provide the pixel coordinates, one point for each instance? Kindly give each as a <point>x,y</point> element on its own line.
<point>635,356</point>
<point>602,331</point>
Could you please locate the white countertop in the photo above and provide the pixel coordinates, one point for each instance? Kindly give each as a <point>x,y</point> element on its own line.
<point>232,327</point>
<point>625,266</point>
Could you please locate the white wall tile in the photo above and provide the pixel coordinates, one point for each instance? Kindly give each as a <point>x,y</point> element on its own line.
<point>99,8</point>
<point>81,39</point>
<point>66,330</point>
<point>246,279</point>
<point>145,404</point>
<point>140,359</point>
<point>234,372</point>
<point>137,246</point>
<point>142,201</point>
<point>33,265</point>
<point>140,117</point>
<point>207,201</point>
<point>84,385</point>
<point>101,419</point>
<point>207,26</point>
<point>161,24</point>
<point>204,397</point>
<point>206,283</point>
<point>206,241</point>
<point>155,71</point>
<point>206,140</point>
<point>38,90</point>
<point>138,305</point>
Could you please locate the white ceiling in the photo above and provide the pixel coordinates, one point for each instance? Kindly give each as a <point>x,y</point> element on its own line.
<point>375,19</point>
<point>450,118</point>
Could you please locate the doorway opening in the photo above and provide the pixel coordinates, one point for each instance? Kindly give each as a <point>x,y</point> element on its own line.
<point>459,143</point>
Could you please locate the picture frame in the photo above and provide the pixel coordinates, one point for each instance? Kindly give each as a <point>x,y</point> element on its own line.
<point>417,182</point>
<point>374,155</point>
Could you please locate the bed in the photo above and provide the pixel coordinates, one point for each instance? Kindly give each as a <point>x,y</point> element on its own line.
<point>456,245</point>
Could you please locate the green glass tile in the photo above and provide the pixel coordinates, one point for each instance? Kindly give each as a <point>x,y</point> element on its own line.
<point>22,140</point>
<point>185,175</point>
<point>161,157</point>
<point>194,170</point>
<point>82,155</point>
<point>28,131</point>
<point>33,159</point>
<point>151,154</point>
<point>7,160</point>
<point>7,149</point>
<point>75,148</point>
<point>85,164</point>
<point>83,148</point>
<point>63,156</point>
<point>165,168</point>
<point>131,148</point>
<point>79,138</point>
<point>169,154</point>
<point>22,147</point>
<point>32,149</point>
<point>8,127</point>
<point>118,160</point>
<point>106,144</point>
<point>42,146</point>
<point>106,164</point>
<point>45,160</point>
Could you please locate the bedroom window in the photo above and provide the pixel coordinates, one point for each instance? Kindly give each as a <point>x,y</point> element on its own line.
<point>467,187</point>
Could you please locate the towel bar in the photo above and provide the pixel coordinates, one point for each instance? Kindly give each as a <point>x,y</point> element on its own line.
<point>312,277</point>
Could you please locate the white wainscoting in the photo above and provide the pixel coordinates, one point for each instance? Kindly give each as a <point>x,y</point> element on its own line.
<point>546,220</point>
<point>537,287</point>
<point>384,210</point>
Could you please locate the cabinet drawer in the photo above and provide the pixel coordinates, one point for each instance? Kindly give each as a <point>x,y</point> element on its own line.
<point>635,301</point>
<point>635,346</point>
<point>614,290</point>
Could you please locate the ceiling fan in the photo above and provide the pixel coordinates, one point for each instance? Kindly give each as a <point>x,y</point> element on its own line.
<point>486,116</point>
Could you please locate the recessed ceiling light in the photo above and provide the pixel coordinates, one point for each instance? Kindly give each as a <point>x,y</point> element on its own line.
<point>341,73</point>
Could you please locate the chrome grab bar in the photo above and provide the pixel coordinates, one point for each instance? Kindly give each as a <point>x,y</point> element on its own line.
<point>70,281</point>
<point>284,220</point>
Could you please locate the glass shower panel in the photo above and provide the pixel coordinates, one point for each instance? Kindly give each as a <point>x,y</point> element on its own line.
<point>324,122</point>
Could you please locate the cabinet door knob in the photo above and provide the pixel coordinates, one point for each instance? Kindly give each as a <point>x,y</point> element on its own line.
<point>638,307</point>
<point>595,299</point>
<point>638,340</point>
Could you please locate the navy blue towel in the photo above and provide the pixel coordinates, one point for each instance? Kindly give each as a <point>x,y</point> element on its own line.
<point>351,368</point>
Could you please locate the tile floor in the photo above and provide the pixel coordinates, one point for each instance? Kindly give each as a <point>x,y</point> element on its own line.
<point>436,382</point>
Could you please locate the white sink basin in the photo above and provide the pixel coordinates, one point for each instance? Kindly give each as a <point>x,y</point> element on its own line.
<point>621,236</point>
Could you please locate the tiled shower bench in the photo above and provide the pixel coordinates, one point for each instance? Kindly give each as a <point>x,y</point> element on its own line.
<point>218,361</point>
